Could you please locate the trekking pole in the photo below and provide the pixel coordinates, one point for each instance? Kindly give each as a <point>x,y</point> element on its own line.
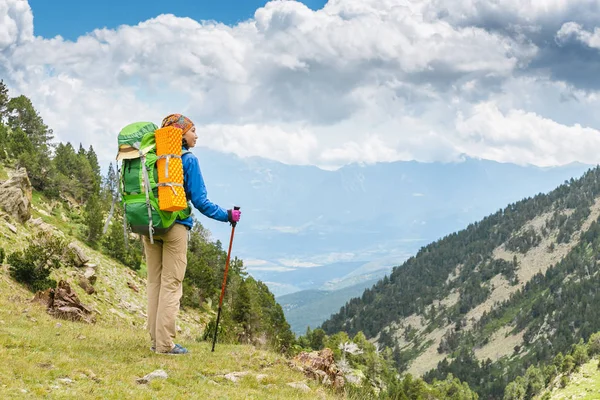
<point>233,224</point>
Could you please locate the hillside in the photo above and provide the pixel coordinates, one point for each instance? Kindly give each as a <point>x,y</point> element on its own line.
<point>510,291</point>
<point>46,357</point>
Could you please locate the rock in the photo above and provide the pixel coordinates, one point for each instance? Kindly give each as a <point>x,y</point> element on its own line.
<point>86,285</point>
<point>63,303</point>
<point>90,275</point>
<point>75,256</point>
<point>41,225</point>
<point>66,381</point>
<point>43,212</point>
<point>261,377</point>
<point>15,196</point>
<point>132,287</point>
<point>319,365</point>
<point>12,228</point>
<point>300,385</point>
<point>120,314</point>
<point>158,374</point>
<point>234,376</point>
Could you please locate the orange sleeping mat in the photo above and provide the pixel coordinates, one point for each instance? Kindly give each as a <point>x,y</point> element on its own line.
<point>171,195</point>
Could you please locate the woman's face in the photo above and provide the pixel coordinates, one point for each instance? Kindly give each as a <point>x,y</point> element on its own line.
<point>191,137</point>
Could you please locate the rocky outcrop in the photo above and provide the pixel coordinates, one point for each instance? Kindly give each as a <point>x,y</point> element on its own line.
<point>15,196</point>
<point>74,255</point>
<point>319,365</point>
<point>63,303</point>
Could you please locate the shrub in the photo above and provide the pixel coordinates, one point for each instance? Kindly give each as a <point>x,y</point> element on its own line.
<point>32,267</point>
<point>594,344</point>
<point>2,254</point>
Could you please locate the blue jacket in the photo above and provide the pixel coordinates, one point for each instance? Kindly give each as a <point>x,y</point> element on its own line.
<point>195,191</point>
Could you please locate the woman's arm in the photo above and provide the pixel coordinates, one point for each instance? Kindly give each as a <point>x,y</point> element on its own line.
<point>195,189</point>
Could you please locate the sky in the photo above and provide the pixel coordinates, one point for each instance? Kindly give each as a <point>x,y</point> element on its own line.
<point>323,84</point>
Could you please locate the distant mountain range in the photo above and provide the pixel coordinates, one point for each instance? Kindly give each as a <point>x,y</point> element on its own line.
<point>296,218</point>
<point>310,308</point>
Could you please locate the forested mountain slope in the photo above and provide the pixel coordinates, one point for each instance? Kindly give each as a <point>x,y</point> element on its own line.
<point>487,302</point>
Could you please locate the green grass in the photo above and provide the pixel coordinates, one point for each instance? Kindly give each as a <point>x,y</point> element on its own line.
<point>3,173</point>
<point>583,385</point>
<point>43,357</point>
<point>104,360</point>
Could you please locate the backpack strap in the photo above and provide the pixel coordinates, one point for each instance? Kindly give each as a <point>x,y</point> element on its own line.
<point>147,189</point>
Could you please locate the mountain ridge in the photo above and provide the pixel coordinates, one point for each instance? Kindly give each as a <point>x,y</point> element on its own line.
<point>449,307</point>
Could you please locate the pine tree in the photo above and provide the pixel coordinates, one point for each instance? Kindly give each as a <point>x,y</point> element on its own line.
<point>3,100</point>
<point>3,141</point>
<point>19,143</point>
<point>114,241</point>
<point>22,115</point>
<point>85,176</point>
<point>93,161</point>
<point>241,306</point>
<point>93,219</point>
<point>109,194</point>
<point>65,160</point>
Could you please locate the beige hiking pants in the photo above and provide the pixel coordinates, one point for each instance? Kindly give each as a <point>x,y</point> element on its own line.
<point>167,261</point>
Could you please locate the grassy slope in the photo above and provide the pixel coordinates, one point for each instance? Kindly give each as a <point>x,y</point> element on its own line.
<point>584,384</point>
<point>104,360</point>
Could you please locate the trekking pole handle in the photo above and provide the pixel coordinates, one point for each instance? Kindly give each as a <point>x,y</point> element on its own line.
<point>235,208</point>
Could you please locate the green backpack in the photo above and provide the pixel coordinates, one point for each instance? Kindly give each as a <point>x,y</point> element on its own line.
<point>138,182</point>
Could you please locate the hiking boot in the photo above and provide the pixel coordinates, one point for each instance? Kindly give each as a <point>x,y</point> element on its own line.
<point>177,349</point>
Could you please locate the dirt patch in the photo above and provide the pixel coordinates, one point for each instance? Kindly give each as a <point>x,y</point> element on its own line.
<point>536,260</point>
<point>449,300</point>
<point>501,344</point>
<point>501,291</point>
<point>430,358</point>
<point>454,274</point>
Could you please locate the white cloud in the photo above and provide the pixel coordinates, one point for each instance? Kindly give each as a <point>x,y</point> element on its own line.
<point>575,30</point>
<point>517,136</point>
<point>16,23</point>
<point>317,87</point>
<point>297,263</point>
<point>271,268</point>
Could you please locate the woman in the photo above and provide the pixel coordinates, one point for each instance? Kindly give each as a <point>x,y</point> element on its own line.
<point>167,257</point>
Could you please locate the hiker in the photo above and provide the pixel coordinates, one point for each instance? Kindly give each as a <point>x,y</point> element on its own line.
<point>167,257</point>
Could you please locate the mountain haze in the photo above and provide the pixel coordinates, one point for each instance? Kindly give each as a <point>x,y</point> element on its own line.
<point>302,216</point>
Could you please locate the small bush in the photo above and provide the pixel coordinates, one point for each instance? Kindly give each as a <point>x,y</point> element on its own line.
<point>564,380</point>
<point>594,344</point>
<point>2,254</point>
<point>33,266</point>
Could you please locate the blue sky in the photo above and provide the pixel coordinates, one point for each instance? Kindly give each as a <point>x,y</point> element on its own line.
<point>73,18</point>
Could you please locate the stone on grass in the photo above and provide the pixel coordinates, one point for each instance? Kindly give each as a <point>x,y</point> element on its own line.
<point>234,376</point>
<point>300,386</point>
<point>158,374</point>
